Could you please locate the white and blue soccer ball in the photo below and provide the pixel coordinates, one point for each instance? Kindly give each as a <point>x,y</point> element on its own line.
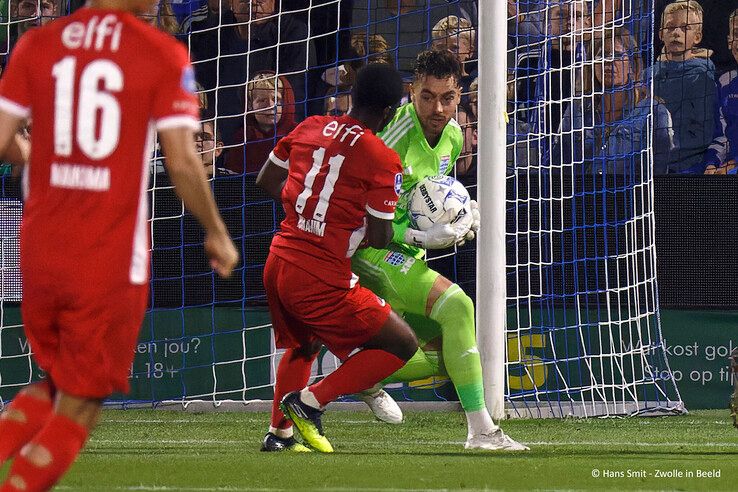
<point>439,200</point>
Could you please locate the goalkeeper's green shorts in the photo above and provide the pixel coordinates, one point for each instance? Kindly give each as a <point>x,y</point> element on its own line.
<point>402,280</point>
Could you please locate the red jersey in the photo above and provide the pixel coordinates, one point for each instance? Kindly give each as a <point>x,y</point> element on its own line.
<point>97,84</point>
<point>339,171</point>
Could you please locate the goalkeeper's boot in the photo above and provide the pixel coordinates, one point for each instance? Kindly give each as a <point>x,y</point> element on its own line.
<point>274,443</point>
<point>382,405</point>
<point>307,421</point>
<point>494,441</point>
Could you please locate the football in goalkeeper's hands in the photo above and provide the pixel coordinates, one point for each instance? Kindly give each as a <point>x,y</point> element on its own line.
<point>439,200</point>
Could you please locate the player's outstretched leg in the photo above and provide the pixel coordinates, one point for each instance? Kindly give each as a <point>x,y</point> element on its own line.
<point>387,351</point>
<point>24,417</point>
<point>293,373</point>
<point>454,312</point>
<point>45,459</point>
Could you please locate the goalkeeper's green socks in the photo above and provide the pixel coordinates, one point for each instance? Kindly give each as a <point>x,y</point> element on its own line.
<point>421,365</point>
<point>454,311</point>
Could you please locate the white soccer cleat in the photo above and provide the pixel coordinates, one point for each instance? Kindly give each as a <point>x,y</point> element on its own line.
<point>382,406</point>
<point>494,441</point>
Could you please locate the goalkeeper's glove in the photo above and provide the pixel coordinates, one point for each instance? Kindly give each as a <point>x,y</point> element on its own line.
<point>476,222</point>
<point>441,235</point>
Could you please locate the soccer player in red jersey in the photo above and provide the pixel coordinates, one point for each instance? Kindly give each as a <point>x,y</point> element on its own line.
<point>339,185</point>
<point>95,103</point>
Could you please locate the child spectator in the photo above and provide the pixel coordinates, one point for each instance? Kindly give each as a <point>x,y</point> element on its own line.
<point>232,45</point>
<point>684,78</point>
<point>606,131</point>
<point>270,116</point>
<point>721,156</point>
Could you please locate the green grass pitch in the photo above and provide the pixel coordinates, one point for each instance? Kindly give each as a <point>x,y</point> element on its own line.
<point>170,451</point>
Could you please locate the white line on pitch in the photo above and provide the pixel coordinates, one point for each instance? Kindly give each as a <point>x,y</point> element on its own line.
<point>428,443</point>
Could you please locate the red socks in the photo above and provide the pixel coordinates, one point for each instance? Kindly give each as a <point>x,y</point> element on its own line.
<point>293,373</point>
<point>17,432</point>
<point>362,370</point>
<point>63,439</point>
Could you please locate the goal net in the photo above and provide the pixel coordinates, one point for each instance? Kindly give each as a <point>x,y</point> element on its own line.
<point>582,330</point>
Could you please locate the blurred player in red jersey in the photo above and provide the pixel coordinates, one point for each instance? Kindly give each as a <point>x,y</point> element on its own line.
<point>339,185</point>
<point>95,104</point>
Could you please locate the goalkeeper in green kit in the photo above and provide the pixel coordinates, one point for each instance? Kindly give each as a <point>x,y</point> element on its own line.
<point>428,141</point>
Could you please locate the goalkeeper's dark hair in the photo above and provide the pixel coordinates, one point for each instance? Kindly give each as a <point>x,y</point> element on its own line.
<point>377,86</point>
<point>440,64</point>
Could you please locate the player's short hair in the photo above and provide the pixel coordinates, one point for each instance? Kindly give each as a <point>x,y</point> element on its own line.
<point>693,8</point>
<point>451,26</point>
<point>441,64</point>
<point>378,86</point>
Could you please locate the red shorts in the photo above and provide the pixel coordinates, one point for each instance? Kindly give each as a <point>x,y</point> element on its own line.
<point>305,309</point>
<point>83,337</point>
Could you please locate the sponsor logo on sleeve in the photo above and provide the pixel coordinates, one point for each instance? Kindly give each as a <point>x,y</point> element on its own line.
<point>188,80</point>
<point>398,183</point>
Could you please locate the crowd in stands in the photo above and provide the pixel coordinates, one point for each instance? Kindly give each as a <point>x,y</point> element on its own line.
<point>586,87</point>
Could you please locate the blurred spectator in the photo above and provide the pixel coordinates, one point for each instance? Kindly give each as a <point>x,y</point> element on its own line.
<point>337,103</point>
<point>365,48</point>
<point>522,150</point>
<point>202,96</point>
<point>404,24</point>
<point>456,35</point>
<point>209,144</point>
<point>230,46</point>
<point>270,116</point>
<point>30,13</point>
<point>684,78</point>
<point>721,156</point>
<point>160,15</point>
<point>607,129</point>
<point>551,38</point>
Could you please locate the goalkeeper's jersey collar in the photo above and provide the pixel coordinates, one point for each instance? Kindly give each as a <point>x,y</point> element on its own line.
<point>406,124</point>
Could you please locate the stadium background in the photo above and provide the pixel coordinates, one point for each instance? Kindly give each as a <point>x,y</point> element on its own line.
<point>210,335</point>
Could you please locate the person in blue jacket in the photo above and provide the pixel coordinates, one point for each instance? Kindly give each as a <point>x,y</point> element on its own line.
<point>606,130</point>
<point>684,78</point>
<point>722,154</point>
